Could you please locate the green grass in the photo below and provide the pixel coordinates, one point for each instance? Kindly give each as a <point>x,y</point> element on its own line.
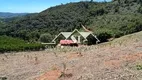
<point>8,44</point>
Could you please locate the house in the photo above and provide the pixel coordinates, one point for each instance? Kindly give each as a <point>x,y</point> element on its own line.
<point>75,37</point>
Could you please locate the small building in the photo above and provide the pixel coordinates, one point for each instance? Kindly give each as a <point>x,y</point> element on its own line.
<point>75,37</point>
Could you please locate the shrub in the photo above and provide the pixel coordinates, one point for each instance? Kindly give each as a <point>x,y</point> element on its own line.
<point>139,67</point>
<point>45,37</point>
<point>103,37</point>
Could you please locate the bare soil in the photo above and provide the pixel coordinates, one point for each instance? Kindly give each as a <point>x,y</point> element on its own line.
<point>99,62</point>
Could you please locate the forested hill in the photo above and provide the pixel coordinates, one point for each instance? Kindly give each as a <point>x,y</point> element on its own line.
<point>106,19</point>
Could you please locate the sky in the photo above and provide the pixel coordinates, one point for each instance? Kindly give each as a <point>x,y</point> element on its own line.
<point>32,6</point>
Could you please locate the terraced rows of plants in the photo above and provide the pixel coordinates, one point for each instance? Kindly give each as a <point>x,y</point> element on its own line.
<point>8,44</point>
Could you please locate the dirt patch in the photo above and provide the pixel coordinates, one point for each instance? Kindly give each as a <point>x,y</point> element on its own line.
<point>116,63</point>
<point>74,55</point>
<point>51,75</point>
<point>112,63</point>
<point>132,57</point>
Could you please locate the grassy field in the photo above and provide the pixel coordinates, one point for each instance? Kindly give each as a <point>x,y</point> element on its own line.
<point>8,44</point>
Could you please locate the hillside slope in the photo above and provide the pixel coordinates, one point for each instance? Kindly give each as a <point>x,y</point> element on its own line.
<point>106,19</point>
<point>116,60</point>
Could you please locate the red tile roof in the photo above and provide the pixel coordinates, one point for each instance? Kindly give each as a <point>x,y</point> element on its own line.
<point>66,42</point>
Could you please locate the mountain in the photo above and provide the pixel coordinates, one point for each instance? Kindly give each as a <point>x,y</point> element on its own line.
<point>10,15</point>
<point>105,19</point>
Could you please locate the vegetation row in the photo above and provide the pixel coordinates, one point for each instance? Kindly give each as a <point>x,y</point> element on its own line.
<point>8,44</point>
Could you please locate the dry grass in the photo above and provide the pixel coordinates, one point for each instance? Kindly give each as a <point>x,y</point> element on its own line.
<point>116,60</point>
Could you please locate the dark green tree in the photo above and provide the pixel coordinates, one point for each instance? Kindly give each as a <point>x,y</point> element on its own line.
<point>45,38</point>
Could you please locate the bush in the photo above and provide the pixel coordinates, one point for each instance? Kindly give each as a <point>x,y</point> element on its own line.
<point>103,37</point>
<point>45,37</point>
<point>3,78</point>
<point>139,67</point>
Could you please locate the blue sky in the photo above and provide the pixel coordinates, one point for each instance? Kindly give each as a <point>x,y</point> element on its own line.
<point>31,6</point>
